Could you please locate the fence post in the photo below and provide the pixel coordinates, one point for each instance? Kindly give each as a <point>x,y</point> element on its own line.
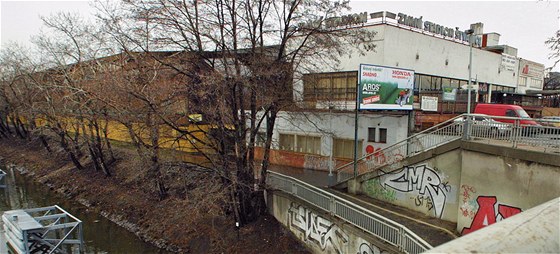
<point>516,132</point>
<point>401,239</point>
<point>332,205</point>
<point>466,128</point>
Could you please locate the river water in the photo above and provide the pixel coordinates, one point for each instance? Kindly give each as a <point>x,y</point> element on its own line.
<point>100,234</point>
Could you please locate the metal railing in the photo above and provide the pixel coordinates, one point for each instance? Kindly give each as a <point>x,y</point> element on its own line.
<point>420,142</point>
<point>534,134</point>
<point>46,229</point>
<point>354,214</point>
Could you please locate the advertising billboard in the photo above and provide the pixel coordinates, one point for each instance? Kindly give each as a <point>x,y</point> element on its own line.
<point>385,88</point>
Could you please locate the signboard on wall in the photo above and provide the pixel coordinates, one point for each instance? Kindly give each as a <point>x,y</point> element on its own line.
<point>385,88</point>
<point>429,103</point>
<point>531,69</point>
<point>508,62</point>
<point>449,94</point>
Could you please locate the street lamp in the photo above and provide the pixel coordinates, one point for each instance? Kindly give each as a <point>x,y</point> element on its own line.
<point>470,32</point>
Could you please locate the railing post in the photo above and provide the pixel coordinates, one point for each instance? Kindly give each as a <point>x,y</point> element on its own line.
<point>332,205</point>
<point>401,239</point>
<point>516,132</point>
<point>467,128</point>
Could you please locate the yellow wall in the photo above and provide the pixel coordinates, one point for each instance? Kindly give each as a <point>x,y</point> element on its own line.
<point>168,137</point>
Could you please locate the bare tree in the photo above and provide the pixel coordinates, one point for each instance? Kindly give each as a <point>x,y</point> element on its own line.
<point>243,57</point>
<point>554,45</point>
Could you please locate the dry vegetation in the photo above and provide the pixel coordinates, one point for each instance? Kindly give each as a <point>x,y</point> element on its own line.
<point>191,219</point>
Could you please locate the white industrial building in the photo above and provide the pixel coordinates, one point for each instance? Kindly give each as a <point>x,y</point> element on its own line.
<point>439,56</point>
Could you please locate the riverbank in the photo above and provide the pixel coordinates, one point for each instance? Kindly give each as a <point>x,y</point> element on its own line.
<point>127,199</point>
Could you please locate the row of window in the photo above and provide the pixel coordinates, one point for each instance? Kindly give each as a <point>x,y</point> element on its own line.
<point>342,148</point>
<point>342,85</point>
<point>531,82</point>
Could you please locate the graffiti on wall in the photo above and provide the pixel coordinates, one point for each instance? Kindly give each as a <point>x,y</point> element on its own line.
<point>317,229</point>
<point>423,201</point>
<point>487,214</point>
<point>316,162</point>
<point>378,156</point>
<point>367,248</point>
<point>469,205</point>
<point>375,189</point>
<point>421,180</point>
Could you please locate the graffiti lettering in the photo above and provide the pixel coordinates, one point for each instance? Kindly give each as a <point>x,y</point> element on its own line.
<point>317,229</point>
<point>366,248</point>
<point>422,180</point>
<point>486,214</point>
<point>423,201</point>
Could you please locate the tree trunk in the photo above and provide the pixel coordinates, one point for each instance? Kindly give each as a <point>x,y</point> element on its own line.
<point>270,121</point>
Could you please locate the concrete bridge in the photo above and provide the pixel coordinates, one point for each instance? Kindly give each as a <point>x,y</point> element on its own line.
<point>446,182</point>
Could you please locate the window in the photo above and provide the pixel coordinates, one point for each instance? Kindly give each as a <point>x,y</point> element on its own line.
<point>330,86</point>
<point>287,142</point>
<point>511,113</point>
<point>371,135</point>
<point>436,84</point>
<point>454,83</point>
<point>425,82</point>
<point>445,82</point>
<point>300,143</point>
<point>344,148</point>
<point>523,81</point>
<point>382,135</point>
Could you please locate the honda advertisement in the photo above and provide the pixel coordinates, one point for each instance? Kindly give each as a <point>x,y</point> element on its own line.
<point>385,88</point>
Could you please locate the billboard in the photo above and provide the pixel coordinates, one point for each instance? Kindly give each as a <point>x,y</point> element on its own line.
<point>385,88</point>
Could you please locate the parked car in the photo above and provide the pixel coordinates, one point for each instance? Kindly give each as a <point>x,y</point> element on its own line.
<point>484,125</point>
<point>551,124</point>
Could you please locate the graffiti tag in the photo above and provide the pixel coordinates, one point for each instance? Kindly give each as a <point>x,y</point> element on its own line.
<point>421,180</point>
<point>317,229</point>
<point>469,206</point>
<point>366,248</point>
<point>486,214</point>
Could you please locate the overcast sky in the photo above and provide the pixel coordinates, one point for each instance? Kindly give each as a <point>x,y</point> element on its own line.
<point>524,25</point>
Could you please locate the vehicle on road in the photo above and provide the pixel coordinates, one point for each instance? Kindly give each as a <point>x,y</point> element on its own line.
<point>484,125</point>
<point>554,121</point>
<point>505,110</point>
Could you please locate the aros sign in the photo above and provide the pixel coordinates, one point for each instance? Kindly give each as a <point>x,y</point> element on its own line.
<point>385,87</point>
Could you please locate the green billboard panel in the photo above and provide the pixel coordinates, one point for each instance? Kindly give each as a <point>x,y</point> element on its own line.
<point>385,88</point>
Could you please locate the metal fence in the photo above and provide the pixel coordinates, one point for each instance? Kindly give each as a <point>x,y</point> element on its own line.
<point>532,134</point>
<point>358,216</point>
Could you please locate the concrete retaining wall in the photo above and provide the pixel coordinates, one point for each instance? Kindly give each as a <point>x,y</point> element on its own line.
<point>320,232</point>
<point>496,187</point>
<point>473,184</point>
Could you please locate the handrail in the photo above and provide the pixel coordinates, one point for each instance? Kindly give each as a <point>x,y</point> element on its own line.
<point>435,127</point>
<point>388,230</point>
<point>540,134</point>
<point>444,132</point>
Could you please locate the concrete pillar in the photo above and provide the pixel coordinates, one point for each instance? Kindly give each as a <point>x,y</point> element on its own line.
<point>354,186</point>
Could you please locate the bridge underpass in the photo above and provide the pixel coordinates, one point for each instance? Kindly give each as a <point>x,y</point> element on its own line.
<point>450,187</point>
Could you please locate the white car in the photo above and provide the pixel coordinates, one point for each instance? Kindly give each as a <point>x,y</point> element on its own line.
<point>484,125</point>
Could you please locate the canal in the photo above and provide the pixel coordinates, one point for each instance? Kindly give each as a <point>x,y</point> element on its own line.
<point>100,234</point>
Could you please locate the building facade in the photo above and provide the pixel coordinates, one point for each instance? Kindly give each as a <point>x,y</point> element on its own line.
<point>439,56</point>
